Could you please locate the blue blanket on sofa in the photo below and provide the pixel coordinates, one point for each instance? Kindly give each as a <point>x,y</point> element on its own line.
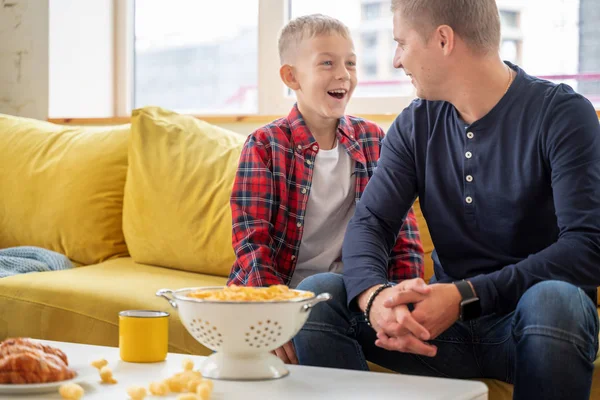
<point>22,260</point>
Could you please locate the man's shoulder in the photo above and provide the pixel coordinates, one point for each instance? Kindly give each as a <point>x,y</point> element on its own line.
<point>553,100</point>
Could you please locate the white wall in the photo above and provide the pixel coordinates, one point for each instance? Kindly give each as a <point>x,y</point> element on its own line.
<point>81,58</point>
<point>24,58</point>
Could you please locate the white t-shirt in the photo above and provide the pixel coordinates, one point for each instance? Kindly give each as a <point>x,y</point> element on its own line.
<point>330,206</point>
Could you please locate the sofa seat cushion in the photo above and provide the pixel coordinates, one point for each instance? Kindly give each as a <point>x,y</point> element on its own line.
<point>81,305</point>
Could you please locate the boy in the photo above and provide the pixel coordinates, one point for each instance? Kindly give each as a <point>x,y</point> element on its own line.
<point>300,177</point>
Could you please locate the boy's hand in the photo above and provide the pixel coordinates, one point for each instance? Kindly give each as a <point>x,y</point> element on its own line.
<point>287,353</point>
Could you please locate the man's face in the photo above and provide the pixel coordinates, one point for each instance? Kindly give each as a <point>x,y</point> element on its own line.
<point>418,57</point>
<point>325,69</point>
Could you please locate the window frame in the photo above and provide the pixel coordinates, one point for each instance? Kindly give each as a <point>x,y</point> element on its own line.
<point>273,98</point>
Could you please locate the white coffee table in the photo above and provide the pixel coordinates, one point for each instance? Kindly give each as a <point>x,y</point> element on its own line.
<point>303,383</point>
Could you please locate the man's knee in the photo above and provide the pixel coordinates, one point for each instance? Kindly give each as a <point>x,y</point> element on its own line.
<point>557,305</point>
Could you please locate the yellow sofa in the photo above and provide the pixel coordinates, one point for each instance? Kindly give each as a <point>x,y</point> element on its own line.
<point>136,207</point>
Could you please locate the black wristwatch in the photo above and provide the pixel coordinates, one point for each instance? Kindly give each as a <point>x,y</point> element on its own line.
<point>470,307</point>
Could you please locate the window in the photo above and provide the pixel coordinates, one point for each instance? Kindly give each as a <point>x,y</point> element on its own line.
<point>371,70</point>
<point>558,41</point>
<point>369,40</point>
<point>223,59</point>
<point>509,50</point>
<point>370,11</point>
<point>509,18</point>
<point>188,59</point>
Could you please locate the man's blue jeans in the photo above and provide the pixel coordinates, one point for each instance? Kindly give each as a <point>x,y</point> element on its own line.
<point>546,347</point>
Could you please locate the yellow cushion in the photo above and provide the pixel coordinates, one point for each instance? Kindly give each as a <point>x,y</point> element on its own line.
<point>176,211</point>
<point>81,305</point>
<point>425,241</point>
<point>62,188</point>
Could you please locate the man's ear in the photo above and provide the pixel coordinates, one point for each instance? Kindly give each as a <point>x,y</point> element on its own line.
<point>444,36</point>
<point>288,76</point>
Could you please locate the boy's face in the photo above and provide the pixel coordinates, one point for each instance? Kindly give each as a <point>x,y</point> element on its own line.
<point>324,70</point>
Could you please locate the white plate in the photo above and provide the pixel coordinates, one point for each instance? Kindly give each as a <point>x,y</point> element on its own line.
<point>82,373</point>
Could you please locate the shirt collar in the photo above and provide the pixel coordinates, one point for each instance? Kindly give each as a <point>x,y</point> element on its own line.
<point>301,134</point>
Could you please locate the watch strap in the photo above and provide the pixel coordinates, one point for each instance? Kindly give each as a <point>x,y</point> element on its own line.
<point>465,289</point>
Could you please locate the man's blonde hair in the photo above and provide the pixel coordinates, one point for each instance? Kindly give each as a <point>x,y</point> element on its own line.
<point>306,27</point>
<point>477,22</point>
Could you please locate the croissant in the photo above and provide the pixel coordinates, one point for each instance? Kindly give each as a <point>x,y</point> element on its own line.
<point>24,361</point>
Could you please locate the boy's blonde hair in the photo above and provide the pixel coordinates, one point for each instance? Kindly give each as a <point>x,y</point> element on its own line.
<point>305,27</point>
<point>477,22</point>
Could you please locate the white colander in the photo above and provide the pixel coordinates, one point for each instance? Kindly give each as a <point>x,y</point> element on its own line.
<point>242,334</point>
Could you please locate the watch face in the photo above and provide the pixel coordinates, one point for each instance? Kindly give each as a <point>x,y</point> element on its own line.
<point>470,309</point>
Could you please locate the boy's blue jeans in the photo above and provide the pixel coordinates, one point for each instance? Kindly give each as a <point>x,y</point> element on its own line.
<point>546,347</point>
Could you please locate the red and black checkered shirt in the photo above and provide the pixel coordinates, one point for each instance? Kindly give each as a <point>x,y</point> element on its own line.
<point>270,194</point>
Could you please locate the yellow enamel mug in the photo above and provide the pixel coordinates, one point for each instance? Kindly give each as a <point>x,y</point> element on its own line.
<point>143,335</point>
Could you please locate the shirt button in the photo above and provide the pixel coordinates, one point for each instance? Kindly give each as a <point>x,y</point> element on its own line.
<point>468,154</point>
<point>470,135</point>
<point>469,178</point>
<point>351,136</point>
<point>469,199</point>
<point>299,224</point>
<point>315,148</point>
<point>303,190</point>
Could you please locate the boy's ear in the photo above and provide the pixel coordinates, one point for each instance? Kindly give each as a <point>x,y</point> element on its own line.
<point>288,76</point>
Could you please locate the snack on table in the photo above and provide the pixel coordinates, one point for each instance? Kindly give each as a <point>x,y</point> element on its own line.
<point>71,391</point>
<point>249,294</point>
<point>25,361</point>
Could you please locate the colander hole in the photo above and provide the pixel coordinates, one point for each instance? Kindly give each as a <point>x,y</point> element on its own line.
<point>279,334</point>
<point>279,328</point>
<point>207,323</point>
<point>214,328</point>
<point>251,328</point>
<point>258,347</point>
<point>247,340</point>
<point>272,332</point>
<point>220,335</point>
<point>268,321</point>
<point>275,322</point>
<point>251,345</point>
<point>247,334</point>
<point>260,322</point>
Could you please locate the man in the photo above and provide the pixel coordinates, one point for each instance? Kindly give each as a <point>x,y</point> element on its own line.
<point>507,170</point>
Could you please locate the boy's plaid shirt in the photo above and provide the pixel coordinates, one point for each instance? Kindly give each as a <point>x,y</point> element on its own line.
<point>270,194</point>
